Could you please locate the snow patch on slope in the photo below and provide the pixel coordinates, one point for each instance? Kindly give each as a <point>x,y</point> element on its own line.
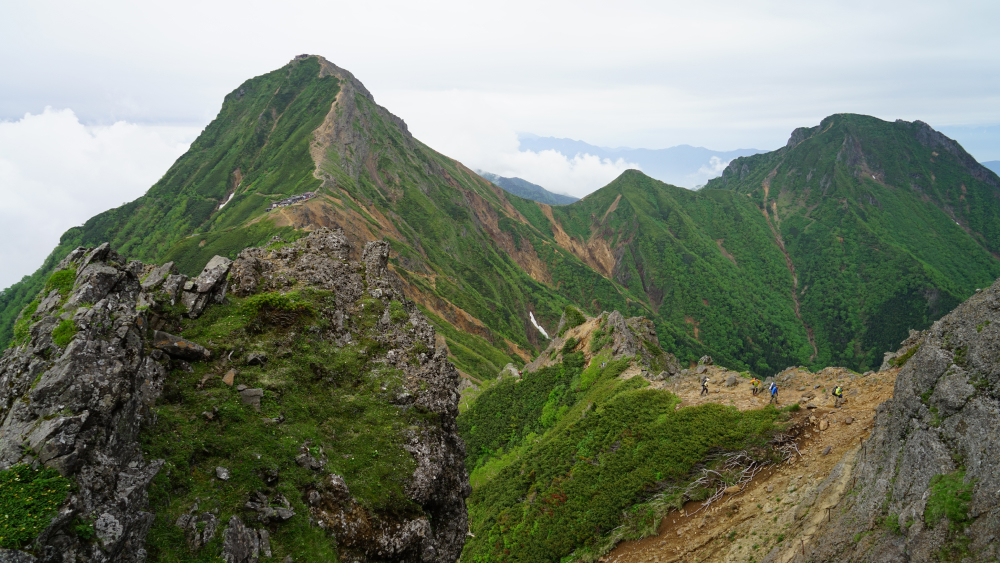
<point>538,326</point>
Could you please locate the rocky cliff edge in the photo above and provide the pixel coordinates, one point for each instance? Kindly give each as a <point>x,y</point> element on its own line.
<point>82,386</point>
<point>927,486</point>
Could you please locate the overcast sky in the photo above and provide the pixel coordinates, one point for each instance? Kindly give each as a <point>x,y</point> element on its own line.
<point>130,84</point>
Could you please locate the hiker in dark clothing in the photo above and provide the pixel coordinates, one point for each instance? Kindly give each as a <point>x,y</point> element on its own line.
<point>704,386</point>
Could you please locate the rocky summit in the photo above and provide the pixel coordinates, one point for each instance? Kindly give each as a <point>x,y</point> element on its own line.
<point>317,413</point>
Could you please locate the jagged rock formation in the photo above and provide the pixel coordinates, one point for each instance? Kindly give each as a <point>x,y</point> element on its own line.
<point>81,388</point>
<point>934,442</point>
<point>440,483</point>
<point>633,337</point>
<point>79,406</point>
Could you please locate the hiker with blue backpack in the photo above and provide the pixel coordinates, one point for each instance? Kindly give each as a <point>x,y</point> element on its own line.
<point>774,393</point>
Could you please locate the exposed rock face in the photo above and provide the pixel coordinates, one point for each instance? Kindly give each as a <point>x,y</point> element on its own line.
<point>912,340</point>
<point>509,370</point>
<point>943,419</point>
<point>633,337</point>
<point>80,407</point>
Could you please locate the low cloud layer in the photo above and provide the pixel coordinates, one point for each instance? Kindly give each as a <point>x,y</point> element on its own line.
<point>711,170</point>
<point>577,175</point>
<point>476,131</point>
<point>56,173</point>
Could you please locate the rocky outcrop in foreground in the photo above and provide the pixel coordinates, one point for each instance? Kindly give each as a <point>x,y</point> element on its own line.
<point>927,483</point>
<point>82,385</point>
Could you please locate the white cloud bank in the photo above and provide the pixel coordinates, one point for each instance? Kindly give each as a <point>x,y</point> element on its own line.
<point>479,132</point>
<point>56,172</point>
<point>713,169</point>
<point>578,175</point>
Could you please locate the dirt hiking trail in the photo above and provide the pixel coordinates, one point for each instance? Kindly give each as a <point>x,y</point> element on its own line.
<point>777,514</point>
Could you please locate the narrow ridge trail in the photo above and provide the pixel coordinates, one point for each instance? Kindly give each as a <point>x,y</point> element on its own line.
<point>782,509</point>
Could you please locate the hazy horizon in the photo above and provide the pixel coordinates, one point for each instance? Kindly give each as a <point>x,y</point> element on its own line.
<point>99,100</point>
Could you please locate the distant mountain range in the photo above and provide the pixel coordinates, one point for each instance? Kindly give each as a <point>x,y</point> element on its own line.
<point>683,165</point>
<point>527,190</point>
<point>993,165</point>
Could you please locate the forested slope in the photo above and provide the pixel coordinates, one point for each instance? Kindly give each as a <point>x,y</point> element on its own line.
<point>887,226</point>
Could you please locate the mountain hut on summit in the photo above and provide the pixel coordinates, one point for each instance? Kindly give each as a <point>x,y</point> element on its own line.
<point>290,200</point>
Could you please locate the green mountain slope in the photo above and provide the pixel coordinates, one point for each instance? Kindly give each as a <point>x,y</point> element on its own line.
<point>704,263</point>
<point>837,275</point>
<point>527,190</point>
<point>257,146</point>
<point>887,226</point>
<point>311,127</point>
<point>574,457</point>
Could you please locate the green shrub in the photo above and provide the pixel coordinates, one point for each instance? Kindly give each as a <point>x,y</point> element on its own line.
<point>573,317</point>
<point>274,308</point>
<point>397,313</point>
<point>891,523</point>
<point>962,356</point>
<point>64,333</point>
<point>950,497</point>
<point>84,529</point>
<point>900,361</point>
<point>599,339</point>
<point>29,498</point>
<point>570,345</point>
<point>62,280</point>
<point>23,323</point>
<point>606,446</point>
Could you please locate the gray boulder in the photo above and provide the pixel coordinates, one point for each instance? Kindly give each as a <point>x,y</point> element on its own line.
<point>209,287</point>
<point>241,544</point>
<point>251,398</point>
<point>179,347</point>
<point>155,279</point>
<point>15,556</point>
<point>509,370</point>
